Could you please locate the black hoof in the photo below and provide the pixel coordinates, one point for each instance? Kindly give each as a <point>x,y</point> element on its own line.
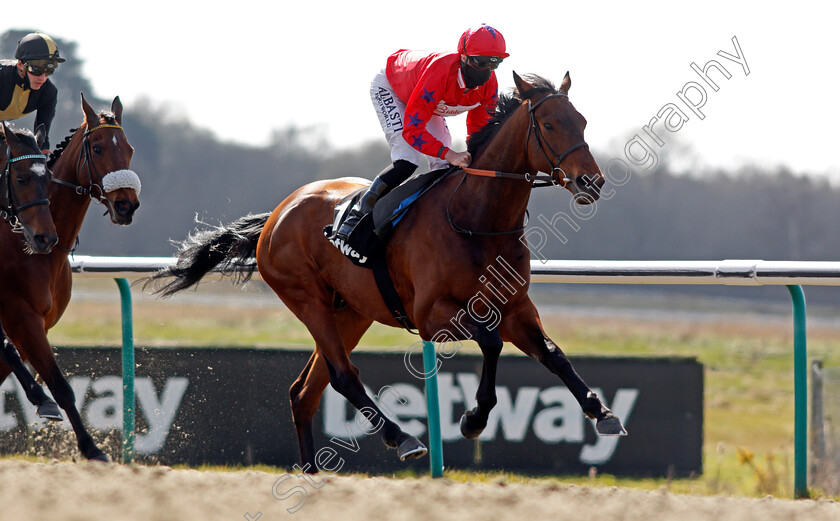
<point>95,454</point>
<point>470,428</point>
<point>411,448</point>
<point>49,411</point>
<point>610,426</point>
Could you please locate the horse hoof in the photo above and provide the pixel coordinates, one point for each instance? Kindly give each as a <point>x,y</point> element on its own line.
<point>50,411</point>
<point>411,448</point>
<point>99,456</point>
<point>610,427</point>
<point>468,431</point>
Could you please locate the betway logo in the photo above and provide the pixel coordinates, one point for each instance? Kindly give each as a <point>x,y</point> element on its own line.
<point>104,410</point>
<point>552,413</point>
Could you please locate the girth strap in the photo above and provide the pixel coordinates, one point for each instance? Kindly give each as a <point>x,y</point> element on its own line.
<point>389,293</point>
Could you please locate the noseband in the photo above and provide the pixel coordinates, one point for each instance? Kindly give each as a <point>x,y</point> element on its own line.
<point>107,183</point>
<point>9,209</point>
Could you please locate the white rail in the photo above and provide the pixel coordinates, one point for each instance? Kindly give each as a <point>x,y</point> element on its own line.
<point>726,272</point>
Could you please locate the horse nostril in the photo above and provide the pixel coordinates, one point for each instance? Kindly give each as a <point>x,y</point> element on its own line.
<point>125,207</point>
<point>45,241</point>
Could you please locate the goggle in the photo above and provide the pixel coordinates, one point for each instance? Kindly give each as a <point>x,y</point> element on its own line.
<point>39,69</point>
<point>484,63</point>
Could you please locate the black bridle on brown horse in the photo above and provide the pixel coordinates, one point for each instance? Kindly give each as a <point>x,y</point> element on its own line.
<point>9,207</point>
<point>537,179</point>
<point>85,158</point>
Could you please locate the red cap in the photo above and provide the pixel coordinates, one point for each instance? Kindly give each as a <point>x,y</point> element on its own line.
<point>482,41</point>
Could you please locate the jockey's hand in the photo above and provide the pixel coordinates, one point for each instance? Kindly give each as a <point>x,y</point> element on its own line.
<point>462,159</point>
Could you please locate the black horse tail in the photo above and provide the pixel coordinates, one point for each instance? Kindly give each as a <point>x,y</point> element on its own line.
<point>228,249</point>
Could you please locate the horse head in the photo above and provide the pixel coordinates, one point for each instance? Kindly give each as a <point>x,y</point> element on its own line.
<point>106,154</point>
<point>23,188</point>
<point>555,141</point>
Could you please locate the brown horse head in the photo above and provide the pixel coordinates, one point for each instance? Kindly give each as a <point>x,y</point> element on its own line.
<point>23,188</point>
<point>107,157</point>
<point>555,142</point>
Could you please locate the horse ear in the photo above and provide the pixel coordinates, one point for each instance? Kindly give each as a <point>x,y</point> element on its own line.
<point>566,84</point>
<point>3,130</point>
<point>41,136</point>
<point>522,86</point>
<point>91,117</point>
<point>117,108</point>
<point>11,138</point>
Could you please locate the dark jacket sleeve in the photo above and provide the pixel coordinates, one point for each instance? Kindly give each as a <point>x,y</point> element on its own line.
<point>46,109</point>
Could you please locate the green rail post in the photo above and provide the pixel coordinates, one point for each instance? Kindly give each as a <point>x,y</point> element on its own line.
<point>127,372</point>
<point>433,409</point>
<point>800,385</point>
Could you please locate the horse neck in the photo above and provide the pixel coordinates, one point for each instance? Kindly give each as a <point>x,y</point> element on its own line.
<point>501,202</point>
<point>68,208</point>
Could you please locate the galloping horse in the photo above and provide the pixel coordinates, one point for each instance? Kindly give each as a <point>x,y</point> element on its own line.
<point>24,179</point>
<point>91,164</point>
<point>436,257</point>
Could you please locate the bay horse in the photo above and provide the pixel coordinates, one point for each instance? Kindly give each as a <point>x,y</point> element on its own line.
<point>24,179</point>
<point>436,258</point>
<point>92,163</point>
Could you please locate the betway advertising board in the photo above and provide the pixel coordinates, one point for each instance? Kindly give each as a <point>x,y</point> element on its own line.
<point>231,406</point>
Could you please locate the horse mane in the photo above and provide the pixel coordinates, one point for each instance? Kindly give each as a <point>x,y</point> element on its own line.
<point>505,106</point>
<point>110,119</point>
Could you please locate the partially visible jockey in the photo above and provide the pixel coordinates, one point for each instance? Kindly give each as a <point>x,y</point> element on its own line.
<point>25,85</point>
<point>412,95</point>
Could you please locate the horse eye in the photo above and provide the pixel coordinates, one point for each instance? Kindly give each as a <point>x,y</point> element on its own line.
<point>548,126</point>
<point>22,179</point>
<point>97,149</point>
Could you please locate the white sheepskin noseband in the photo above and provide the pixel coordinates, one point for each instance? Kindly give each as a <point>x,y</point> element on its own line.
<point>121,179</point>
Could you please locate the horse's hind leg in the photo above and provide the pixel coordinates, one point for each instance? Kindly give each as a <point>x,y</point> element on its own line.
<point>47,408</point>
<point>40,354</point>
<point>344,377</point>
<point>525,331</point>
<point>307,390</point>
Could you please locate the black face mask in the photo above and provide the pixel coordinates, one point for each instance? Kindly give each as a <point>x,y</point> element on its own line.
<point>474,77</point>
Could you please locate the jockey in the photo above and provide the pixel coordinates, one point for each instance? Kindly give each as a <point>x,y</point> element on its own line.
<point>413,94</point>
<point>25,86</point>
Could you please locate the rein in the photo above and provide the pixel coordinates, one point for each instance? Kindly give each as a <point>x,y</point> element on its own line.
<point>537,180</point>
<point>10,208</point>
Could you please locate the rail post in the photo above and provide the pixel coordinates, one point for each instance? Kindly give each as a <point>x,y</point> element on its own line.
<point>433,410</point>
<point>127,372</point>
<point>800,386</point>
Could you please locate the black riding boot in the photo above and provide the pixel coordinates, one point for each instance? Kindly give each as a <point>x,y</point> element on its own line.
<point>365,205</point>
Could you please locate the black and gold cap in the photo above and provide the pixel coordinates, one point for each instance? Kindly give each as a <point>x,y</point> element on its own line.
<point>37,46</point>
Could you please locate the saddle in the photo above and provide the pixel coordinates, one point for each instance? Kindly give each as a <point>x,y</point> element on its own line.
<point>366,245</point>
<point>371,233</point>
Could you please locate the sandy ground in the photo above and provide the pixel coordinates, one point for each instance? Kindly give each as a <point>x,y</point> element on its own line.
<point>85,492</point>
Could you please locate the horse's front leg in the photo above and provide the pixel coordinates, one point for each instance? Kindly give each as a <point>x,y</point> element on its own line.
<point>523,328</point>
<point>28,333</point>
<point>47,408</point>
<point>474,420</point>
<point>486,334</point>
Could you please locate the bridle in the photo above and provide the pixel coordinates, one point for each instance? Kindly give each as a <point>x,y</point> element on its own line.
<point>537,180</point>
<point>100,184</point>
<point>542,143</point>
<point>9,207</point>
